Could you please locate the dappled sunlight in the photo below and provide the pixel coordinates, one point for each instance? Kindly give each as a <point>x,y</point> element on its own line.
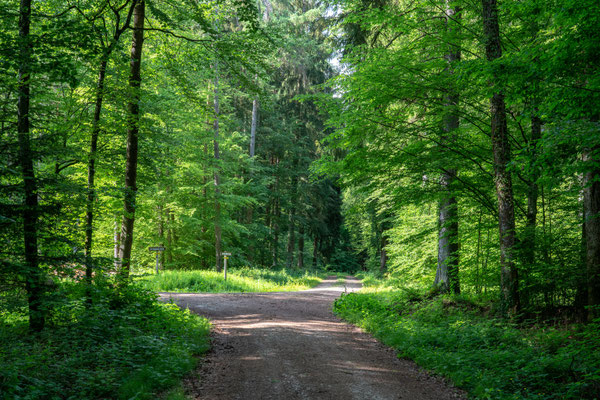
<point>290,342</point>
<point>354,366</point>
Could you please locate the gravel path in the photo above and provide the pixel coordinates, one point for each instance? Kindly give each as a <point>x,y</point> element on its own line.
<point>290,346</point>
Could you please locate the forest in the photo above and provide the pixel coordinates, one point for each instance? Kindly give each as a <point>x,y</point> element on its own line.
<point>447,152</point>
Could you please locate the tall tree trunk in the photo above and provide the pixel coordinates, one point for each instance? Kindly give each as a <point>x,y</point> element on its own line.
<point>581,293</point>
<point>91,195</point>
<point>502,177</point>
<point>292,226</point>
<point>291,237</point>
<point>216,173</point>
<point>170,235</point>
<point>253,126</point>
<point>301,246</point>
<point>477,268</point>
<point>532,192</point>
<point>135,79</point>
<point>116,244</point>
<point>591,201</point>
<point>529,242</point>
<point>161,234</point>
<point>250,208</point>
<point>446,277</point>
<point>315,251</point>
<point>276,216</point>
<point>383,257</point>
<point>34,275</point>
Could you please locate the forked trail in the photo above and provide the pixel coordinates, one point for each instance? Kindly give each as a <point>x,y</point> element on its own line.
<point>290,346</point>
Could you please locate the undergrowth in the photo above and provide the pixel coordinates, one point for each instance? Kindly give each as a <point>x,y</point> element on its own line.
<point>238,280</point>
<point>490,358</point>
<point>125,346</point>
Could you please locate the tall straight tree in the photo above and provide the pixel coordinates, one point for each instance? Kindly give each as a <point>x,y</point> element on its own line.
<point>135,80</point>
<point>292,224</point>
<point>253,126</point>
<point>501,155</point>
<point>591,205</point>
<point>529,244</point>
<point>216,176</point>
<point>91,195</point>
<point>446,277</point>
<point>33,282</point>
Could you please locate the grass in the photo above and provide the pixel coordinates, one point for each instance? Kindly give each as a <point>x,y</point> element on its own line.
<point>123,347</point>
<point>488,357</point>
<point>238,280</point>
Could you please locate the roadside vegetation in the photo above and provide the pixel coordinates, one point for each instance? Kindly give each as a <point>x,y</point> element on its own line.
<point>122,346</point>
<point>238,280</point>
<point>462,337</point>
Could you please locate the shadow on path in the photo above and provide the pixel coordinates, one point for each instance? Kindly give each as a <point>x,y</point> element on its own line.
<point>289,345</point>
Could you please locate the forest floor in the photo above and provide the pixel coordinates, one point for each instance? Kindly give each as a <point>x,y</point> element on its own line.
<point>291,346</point>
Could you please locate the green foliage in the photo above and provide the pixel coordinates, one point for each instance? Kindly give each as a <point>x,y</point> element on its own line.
<point>389,144</point>
<point>123,346</point>
<point>238,280</point>
<point>457,338</point>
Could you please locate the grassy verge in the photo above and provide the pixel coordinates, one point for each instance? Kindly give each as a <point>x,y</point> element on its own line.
<point>238,280</point>
<point>488,357</point>
<point>125,347</point>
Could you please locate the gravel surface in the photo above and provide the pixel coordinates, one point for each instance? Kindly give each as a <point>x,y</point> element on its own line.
<point>290,346</point>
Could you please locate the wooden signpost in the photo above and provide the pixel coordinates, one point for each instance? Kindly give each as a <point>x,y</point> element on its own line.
<point>225,258</point>
<point>158,250</point>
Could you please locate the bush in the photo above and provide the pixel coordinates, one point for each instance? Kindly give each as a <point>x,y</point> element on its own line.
<point>125,345</point>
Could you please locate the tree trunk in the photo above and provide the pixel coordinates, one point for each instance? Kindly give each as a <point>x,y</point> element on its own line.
<point>116,244</point>
<point>91,195</point>
<point>161,235</point>
<point>301,246</point>
<point>132,142</point>
<point>216,173</point>
<point>34,281</point>
<point>315,251</point>
<point>529,242</point>
<point>591,201</point>
<point>291,237</point>
<point>253,126</point>
<point>292,225</point>
<point>529,238</point>
<point>205,180</point>
<point>383,253</point>
<point>502,177</point>
<point>446,277</point>
<point>477,268</point>
<point>250,209</point>
<point>581,293</point>
<point>170,235</point>
<point>276,216</point>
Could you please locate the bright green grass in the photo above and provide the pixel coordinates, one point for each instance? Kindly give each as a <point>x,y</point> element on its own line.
<point>488,357</point>
<point>238,280</point>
